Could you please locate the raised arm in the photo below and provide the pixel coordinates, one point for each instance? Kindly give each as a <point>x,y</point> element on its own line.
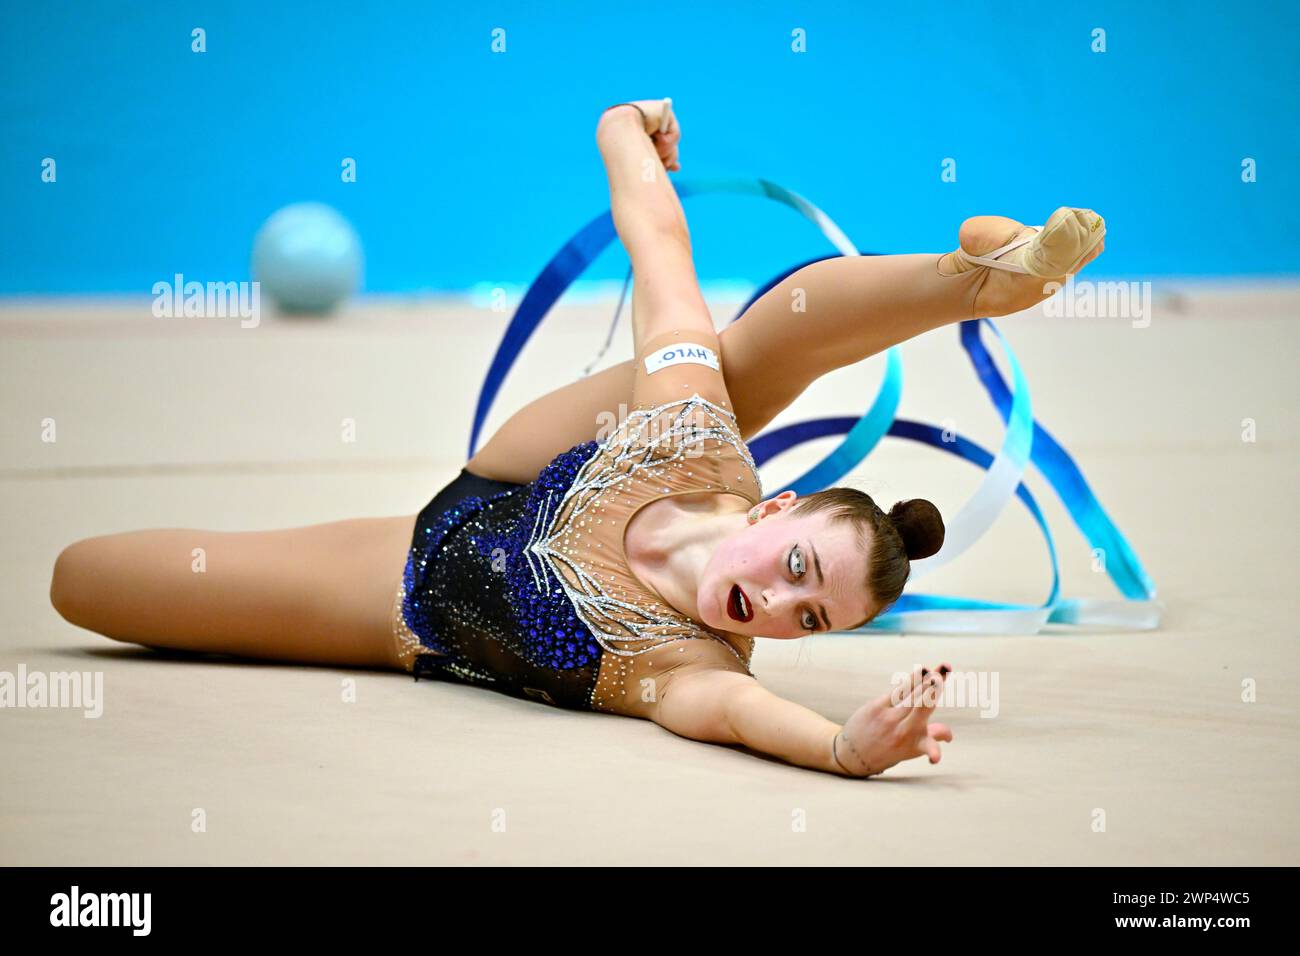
<point>636,152</point>
<point>650,221</point>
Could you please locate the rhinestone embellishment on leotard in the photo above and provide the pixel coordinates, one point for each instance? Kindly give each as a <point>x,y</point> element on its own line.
<point>635,451</point>
<point>522,569</point>
<point>550,634</point>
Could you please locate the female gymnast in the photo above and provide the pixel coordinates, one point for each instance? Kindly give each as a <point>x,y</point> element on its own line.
<point>628,574</point>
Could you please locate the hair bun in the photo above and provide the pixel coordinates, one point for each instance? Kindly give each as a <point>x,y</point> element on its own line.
<point>920,526</point>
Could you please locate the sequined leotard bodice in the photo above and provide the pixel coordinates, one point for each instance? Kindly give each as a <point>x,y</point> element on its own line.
<point>529,591</point>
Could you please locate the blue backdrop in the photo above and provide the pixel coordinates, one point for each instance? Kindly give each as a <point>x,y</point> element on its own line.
<point>472,166</point>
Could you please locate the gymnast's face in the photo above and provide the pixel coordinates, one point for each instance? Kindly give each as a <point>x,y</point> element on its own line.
<point>786,575</point>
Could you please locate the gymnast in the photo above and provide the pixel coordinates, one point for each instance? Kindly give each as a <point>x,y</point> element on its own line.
<point>629,574</point>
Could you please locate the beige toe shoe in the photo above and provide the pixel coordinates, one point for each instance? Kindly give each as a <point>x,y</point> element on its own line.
<point>1056,249</point>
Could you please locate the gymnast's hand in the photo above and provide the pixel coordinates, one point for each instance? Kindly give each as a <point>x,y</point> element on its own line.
<point>895,727</point>
<point>663,129</point>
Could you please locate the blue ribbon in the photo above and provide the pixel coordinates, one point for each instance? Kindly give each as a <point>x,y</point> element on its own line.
<point>1025,441</point>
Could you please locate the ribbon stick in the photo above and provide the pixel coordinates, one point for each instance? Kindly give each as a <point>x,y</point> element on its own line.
<point>1024,442</point>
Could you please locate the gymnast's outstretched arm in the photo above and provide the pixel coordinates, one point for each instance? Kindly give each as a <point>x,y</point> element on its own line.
<point>720,705</point>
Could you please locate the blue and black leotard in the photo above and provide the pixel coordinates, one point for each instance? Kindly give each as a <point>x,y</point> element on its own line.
<point>526,589</point>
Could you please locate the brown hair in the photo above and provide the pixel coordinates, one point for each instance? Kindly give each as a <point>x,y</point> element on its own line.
<point>911,531</point>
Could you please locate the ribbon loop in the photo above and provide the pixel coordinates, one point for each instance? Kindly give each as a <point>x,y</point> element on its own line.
<point>1025,441</point>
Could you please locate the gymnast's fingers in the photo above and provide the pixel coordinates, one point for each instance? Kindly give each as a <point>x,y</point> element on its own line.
<point>937,678</point>
<point>668,136</point>
<point>667,121</point>
<point>903,689</point>
<point>923,690</point>
<point>925,698</point>
<point>668,154</point>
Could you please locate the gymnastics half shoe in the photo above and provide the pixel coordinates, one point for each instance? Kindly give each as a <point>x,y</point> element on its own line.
<point>1022,265</point>
<point>1057,249</point>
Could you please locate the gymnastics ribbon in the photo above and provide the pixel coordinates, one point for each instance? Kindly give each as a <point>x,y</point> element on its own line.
<point>1025,441</point>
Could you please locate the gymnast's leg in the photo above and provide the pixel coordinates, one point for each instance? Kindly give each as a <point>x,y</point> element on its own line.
<point>321,594</point>
<point>825,316</point>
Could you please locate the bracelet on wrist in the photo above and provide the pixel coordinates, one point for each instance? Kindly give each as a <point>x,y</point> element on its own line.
<point>644,118</point>
<point>835,741</point>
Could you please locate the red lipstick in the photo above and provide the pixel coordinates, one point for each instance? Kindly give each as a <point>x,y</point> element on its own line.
<point>739,607</point>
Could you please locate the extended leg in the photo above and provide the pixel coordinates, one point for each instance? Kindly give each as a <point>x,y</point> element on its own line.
<point>319,594</point>
<point>825,316</point>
